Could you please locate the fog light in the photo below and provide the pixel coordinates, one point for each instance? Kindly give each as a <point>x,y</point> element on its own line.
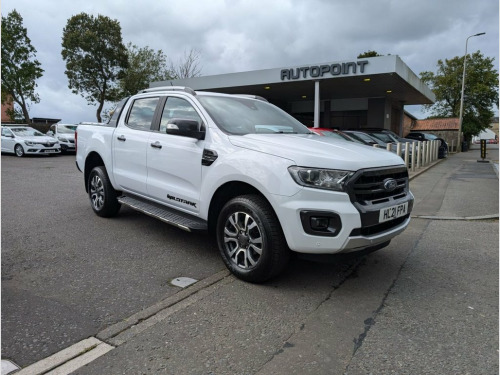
<point>321,223</point>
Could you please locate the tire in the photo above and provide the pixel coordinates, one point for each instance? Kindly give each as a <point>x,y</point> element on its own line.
<point>102,195</point>
<point>250,239</point>
<point>19,150</point>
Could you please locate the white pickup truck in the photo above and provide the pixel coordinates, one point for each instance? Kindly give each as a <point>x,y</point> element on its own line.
<point>246,171</point>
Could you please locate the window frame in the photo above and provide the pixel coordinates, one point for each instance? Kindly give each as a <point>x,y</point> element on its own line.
<point>154,119</point>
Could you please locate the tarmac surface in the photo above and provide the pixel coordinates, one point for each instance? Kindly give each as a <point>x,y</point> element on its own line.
<point>426,304</point>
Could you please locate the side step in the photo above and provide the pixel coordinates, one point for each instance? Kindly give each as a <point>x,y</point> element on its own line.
<point>183,221</point>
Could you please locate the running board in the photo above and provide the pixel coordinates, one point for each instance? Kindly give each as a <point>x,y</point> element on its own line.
<point>183,221</point>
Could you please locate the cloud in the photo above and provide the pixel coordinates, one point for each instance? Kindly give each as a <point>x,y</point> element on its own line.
<point>241,35</point>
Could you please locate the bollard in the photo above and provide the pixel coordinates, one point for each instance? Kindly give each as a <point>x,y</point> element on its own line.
<point>419,146</point>
<point>388,146</point>
<point>413,156</point>
<point>407,151</point>
<point>398,149</point>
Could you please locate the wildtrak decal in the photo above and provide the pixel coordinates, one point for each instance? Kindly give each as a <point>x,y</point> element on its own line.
<point>180,200</point>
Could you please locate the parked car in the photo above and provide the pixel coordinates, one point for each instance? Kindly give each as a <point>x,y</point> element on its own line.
<point>371,140</point>
<point>65,134</point>
<point>24,140</point>
<point>327,132</point>
<point>419,136</point>
<point>365,138</point>
<point>385,135</point>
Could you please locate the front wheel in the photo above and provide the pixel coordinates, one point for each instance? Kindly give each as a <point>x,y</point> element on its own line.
<point>250,239</point>
<point>19,150</point>
<point>103,197</point>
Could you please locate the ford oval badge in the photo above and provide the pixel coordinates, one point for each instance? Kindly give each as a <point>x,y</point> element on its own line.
<point>390,184</point>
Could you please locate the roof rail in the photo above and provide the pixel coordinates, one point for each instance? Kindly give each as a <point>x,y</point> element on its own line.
<point>253,97</point>
<point>170,88</point>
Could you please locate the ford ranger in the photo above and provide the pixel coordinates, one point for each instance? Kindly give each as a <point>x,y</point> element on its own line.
<point>248,172</point>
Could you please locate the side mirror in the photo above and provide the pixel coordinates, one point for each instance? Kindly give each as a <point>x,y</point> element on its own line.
<point>185,128</point>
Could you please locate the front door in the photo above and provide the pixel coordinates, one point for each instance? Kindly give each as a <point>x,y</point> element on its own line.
<point>174,162</point>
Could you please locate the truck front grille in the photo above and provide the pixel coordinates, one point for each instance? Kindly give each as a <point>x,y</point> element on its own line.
<point>366,187</point>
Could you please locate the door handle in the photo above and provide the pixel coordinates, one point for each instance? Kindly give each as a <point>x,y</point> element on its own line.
<point>156,144</point>
<point>121,138</point>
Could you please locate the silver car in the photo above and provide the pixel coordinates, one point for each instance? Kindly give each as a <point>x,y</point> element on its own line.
<point>24,140</point>
<point>65,134</point>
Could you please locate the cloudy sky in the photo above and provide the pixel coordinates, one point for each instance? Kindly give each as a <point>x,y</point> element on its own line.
<point>242,35</point>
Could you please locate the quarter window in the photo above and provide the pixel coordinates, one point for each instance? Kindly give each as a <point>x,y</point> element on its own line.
<point>142,113</point>
<point>179,109</point>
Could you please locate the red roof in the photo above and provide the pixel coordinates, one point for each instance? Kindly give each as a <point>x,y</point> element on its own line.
<point>436,124</point>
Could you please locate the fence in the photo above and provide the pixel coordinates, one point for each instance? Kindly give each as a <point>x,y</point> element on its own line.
<point>420,154</point>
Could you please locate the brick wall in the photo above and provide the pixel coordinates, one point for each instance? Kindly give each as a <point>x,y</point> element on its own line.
<point>5,107</point>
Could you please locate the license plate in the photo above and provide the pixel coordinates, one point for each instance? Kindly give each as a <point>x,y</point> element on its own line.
<point>50,151</point>
<point>393,212</point>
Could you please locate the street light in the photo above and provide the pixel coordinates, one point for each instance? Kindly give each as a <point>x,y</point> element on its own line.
<point>459,145</point>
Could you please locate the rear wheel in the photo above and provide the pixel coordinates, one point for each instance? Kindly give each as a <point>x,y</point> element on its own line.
<point>250,239</point>
<point>103,197</point>
<point>19,150</point>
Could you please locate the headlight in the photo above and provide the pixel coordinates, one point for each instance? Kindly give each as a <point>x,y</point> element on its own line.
<point>329,179</point>
<point>62,139</point>
<point>29,143</point>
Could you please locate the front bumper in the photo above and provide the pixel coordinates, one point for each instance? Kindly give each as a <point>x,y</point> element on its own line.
<point>41,150</point>
<point>352,220</point>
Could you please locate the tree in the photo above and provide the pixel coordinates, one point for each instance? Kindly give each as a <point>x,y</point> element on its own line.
<point>95,58</point>
<point>480,92</point>
<point>368,54</point>
<point>188,66</point>
<point>144,66</point>
<point>20,69</point>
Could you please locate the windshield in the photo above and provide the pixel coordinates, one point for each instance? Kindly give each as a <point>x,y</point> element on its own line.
<point>338,136</point>
<point>237,115</point>
<point>383,137</point>
<point>66,129</point>
<point>27,132</point>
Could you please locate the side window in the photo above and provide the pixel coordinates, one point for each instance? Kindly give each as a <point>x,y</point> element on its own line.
<point>6,132</point>
<point>179,109</point>
<point>142,113</point>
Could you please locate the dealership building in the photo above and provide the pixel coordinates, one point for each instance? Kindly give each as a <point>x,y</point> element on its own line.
<point>367,92</point>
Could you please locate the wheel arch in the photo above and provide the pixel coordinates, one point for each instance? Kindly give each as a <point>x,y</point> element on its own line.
<point>226,192</point>
<point>93,160</point>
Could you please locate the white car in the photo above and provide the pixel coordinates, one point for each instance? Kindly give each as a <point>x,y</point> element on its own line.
<point>65,134</point>
<point>24,140</point>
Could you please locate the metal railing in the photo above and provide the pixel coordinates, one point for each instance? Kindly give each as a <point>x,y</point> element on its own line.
<point>421,153</point>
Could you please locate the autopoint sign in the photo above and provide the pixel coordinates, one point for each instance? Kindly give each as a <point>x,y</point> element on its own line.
<point>320,71</point>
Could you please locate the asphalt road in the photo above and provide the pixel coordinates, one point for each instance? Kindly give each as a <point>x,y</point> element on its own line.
<point>428,303</point>
<point>66,273</point>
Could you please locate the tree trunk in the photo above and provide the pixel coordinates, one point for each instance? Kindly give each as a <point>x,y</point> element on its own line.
<point>98,112</point>
<point>25,114</point>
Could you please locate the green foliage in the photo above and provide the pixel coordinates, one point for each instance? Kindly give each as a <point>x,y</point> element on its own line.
<point>20,69</point>
<point>144,66</point>
<point>368,54</point>
<point>480,92</point>
<point>95,58</point>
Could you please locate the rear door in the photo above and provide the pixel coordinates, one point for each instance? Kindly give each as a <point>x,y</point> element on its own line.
<point>130,145</point>
<point>174,162</point>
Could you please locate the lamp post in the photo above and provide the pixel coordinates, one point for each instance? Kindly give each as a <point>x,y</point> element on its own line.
<point>459,145</point>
